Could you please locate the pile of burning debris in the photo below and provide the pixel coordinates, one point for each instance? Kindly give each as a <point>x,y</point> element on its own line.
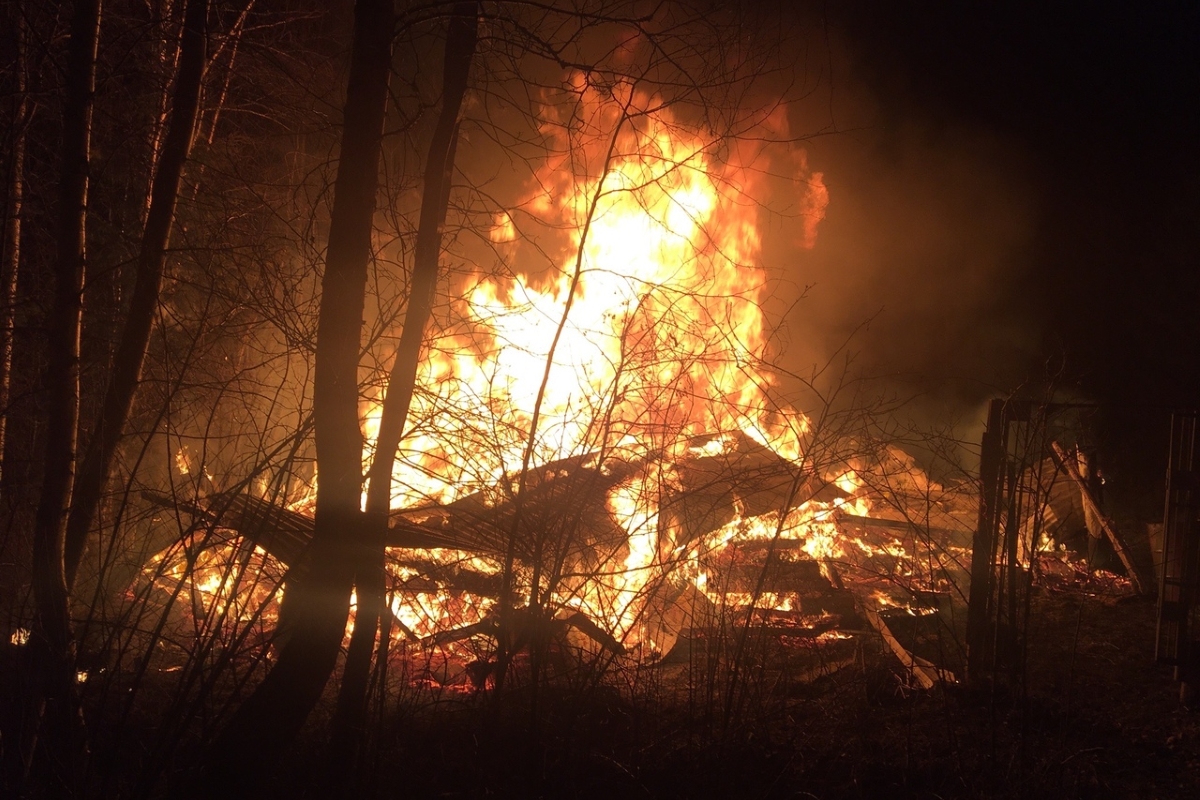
<point>598,439</point>
<point>737,539</point>
<point>646,559</point>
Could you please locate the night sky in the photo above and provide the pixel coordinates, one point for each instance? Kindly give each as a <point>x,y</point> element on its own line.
<point>1016,193</point>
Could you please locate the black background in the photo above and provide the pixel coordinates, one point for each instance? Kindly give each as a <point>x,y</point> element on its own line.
<point>1015,197</point>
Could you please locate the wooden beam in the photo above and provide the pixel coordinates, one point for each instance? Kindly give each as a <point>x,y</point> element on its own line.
<point>924,672</point>
<point>1090,504</point>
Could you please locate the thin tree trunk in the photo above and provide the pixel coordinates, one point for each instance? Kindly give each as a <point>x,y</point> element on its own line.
<point>167,55</point>
<point>316,605</point>
<point>349,720</point>
<point>131,351</point>
<point>232,40</point>
<point>14,759</point>
<point>10,252</point>
<point>207,133</point>
<point>66,747</point>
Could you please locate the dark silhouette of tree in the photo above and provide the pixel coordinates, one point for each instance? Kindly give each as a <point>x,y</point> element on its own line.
<point>131,350</point>
<point>369,570</point>
<point>317,604</point>
<point>17,121</point>
<point>64,736</point>
<point>70,494</point>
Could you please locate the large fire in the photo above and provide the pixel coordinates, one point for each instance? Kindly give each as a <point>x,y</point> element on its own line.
<point>647,335</point>
<point>638,356</point>
<point>647,332</point>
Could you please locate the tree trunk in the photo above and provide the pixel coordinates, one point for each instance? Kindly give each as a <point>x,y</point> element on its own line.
<point>64,740</point>
<point>207,133</point>
<point>168,52</point>
<point>10,251</point>
<point>349,720</point>
<point>315,606</point>
<point>131,351</point>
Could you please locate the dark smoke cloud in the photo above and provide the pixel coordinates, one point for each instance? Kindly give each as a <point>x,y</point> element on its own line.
<point>1014,191</point>
<point>917,272</point>
<point>917,261</point>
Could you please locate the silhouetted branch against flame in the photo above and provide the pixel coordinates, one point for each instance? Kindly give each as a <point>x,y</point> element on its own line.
<point>526,456</point>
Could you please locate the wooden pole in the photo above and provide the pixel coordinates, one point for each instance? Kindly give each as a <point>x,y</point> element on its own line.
<point>1093,508</point>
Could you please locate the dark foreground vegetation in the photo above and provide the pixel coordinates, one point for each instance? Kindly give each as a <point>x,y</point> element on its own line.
<point>1089,716</point>
<point>1096,718</point>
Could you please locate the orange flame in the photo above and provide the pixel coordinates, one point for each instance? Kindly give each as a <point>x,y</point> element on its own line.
<point>646,332</point>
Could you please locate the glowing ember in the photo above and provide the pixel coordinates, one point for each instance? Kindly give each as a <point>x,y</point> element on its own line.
<point>227,584</point>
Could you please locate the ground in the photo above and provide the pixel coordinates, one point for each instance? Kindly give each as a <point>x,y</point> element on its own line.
<point>1094,717</point>
<point>1085,713</point>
